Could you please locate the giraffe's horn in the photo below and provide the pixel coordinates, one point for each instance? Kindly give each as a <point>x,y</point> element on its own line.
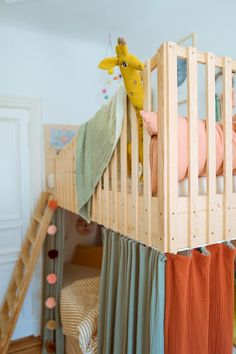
<point>121,41</point>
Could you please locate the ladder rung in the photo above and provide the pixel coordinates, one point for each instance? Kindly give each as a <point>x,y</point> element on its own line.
<point>18,279</point>
<point>3,323</point>
<point>11,298</point>
<point>31,237</point>
<point>25,258</point>
<point>38,218</point>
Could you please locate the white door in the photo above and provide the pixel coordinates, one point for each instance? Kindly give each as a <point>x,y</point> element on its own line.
<point>15,206</point>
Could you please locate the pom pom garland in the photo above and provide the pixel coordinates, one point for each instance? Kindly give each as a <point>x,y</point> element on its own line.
<point>50,303</point>
<point>50,347</point>
<point>51,325</point>
<point>51,278</point>
<point>53,204</point>
<point>53,254</point>
<point>52,230</point>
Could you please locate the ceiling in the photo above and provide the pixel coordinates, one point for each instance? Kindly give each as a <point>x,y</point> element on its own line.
<point>140,21</point>
<point>87,18</point>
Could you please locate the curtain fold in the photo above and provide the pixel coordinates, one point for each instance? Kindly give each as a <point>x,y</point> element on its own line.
<point>131,297</point>
<point>199,302</point>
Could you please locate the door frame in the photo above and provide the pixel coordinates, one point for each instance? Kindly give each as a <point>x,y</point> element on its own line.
<point>35,140</point>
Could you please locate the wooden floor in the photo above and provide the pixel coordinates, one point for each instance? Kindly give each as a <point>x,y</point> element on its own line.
<point>28,345</point>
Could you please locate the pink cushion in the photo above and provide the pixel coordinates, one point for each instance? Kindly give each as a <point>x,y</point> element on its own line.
<point>150,123</point>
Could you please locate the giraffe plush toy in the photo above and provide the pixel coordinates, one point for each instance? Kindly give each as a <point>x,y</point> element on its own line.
<point>129,66</point>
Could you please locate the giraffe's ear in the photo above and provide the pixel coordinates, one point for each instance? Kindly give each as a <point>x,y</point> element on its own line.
<point>108,63</point>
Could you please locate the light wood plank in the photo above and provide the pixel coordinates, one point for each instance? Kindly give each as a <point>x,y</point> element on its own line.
<point>201,59</point>
<point>123,175</point>
<point>211,146</point>
<point>106,199</point>
<point>193,145</point>
<point>162,241</point>
<point>227,123</point>
<point>134,176</point>
<point>75,196</point>
<point>57,179</point>
<point>72,192</point>
<point>99,202</point>
<point>114,175</point>
<point>147,187</point>
<point>172,148</point>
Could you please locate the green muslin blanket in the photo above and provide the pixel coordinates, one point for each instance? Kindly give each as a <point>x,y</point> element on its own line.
<point>96,141</point>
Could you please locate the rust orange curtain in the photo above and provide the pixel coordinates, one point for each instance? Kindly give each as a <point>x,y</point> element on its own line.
<point>200,302</point>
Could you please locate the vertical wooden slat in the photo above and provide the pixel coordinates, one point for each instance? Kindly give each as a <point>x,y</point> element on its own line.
<point>66,177</point>
<point>172,142</point>
<point>123,175</point>
<point>57,180</point>
<point>162,148</point>
<point>147,187</point>
<point>227,123</point>
<point>167,147</point>
<point>114,208</point>
<point>99,202</point>
<point>106,199</point>
<point>135,176</point>
<point>71,152</point>
<point>93,212</point>
<point>69,176</point>
<point>61,179</point>
<point>192,145</point>
<point>211,146</point>
<point>75,199</point>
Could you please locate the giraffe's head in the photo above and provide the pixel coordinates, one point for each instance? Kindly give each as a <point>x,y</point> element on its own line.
<point>124,59</point>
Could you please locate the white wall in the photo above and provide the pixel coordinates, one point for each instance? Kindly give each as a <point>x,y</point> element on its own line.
<point>61,71</point>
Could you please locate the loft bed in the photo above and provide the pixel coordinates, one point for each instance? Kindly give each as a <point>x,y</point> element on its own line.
<point>165,220</point>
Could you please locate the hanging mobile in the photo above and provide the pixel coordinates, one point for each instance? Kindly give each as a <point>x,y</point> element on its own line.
<point>107,87</point>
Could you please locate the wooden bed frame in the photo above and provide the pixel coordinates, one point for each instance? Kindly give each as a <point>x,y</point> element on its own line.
<point>167,222</point>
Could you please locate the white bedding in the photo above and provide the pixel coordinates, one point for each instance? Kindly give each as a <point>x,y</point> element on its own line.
<point>202,186</point>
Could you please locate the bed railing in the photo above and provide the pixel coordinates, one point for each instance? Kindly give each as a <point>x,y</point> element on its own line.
<point>166,221</point>
<point>65,177</point>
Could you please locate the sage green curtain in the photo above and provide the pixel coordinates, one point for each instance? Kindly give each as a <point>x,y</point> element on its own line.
<point>132,297</point>
<point>55,242</point>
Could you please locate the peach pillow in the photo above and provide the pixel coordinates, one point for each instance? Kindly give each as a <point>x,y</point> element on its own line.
<point>150,122</point>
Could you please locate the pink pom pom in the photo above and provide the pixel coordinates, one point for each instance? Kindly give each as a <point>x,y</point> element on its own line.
<point>52,229</point>
<point>52,278</point>
<point>50,303</point>
<point>104,90</point>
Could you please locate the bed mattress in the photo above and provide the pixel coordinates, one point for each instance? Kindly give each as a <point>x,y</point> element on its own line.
<point>202,186</point>
<point>183,186</point>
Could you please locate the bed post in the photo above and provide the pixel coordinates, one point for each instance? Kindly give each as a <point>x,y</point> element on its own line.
<point>167,147</point>
<point>227,124</point>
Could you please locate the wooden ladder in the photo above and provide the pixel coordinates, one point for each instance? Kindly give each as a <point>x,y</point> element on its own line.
<point>24,269</point>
